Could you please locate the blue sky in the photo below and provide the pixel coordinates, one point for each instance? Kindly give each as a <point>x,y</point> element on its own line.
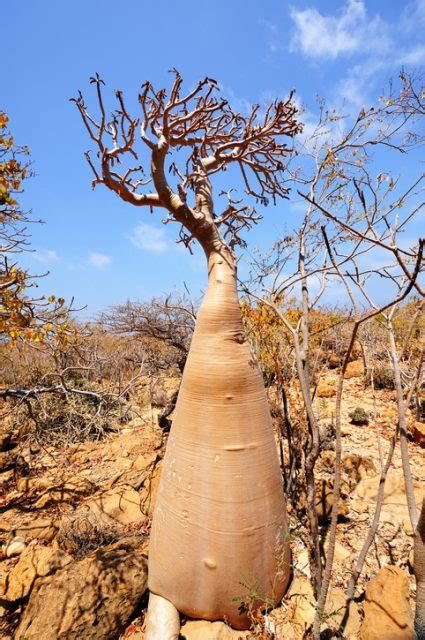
<point>101,250</point>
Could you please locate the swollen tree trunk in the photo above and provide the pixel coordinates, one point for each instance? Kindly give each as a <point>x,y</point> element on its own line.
<point>219,533</point>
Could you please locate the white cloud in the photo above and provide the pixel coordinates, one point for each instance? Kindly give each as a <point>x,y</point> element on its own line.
<point>99,260</point>
<point>355,87</point>
<point>352,31</point>
<point>414,56</point>
<point>47,255</point>
<point>149,237</point>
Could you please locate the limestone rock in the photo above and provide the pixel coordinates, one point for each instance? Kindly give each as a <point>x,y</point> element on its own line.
<point>394,508</point>
<point>29,527</point>
<point>324,501</point>
<point>300,611</point>
<point>335,611</point>
<point>93,598</point>
<point>121,505</point>
<point>357,467</point>
<point>35,562</point>
<point>387,611</point>
<point>70,492</point>
<point>341,553</point>
<point>203,630</point>
<point>417,431</point>
<point>325,390</point>
<point>355,369</point>
<point>14,547</point>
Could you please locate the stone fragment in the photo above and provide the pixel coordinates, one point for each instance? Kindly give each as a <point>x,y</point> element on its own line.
<point>387,612</point>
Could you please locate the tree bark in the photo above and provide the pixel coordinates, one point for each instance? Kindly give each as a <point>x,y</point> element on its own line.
<point>404,446</point>
<point>219,532</point>
<point>419,568</point>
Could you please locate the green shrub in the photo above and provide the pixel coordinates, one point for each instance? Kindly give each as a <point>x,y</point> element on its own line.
<point>359,416</point>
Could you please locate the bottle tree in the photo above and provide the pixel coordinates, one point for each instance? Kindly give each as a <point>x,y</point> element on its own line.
<point>219,526</point>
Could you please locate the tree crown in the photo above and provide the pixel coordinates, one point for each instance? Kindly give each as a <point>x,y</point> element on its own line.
<point>203,135</point>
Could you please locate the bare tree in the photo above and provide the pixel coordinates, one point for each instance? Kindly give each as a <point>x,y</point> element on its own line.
<point>354,210</point>
<point>169,321</point>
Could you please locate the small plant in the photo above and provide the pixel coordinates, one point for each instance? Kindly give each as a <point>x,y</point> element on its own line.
<point>383,377</point>
<point>253,603</point>
<point>359,416</point>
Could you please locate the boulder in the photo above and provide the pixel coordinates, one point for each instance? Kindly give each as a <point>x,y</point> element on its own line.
<point>387,612</point>
<point>35,562</point>
<point>417,431</point>
<point>325,390</point>
<point>355,369</point>
<point>203,630</point>
<point>92,598</point>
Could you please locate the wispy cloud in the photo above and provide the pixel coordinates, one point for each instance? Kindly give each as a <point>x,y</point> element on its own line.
<point>46,256</point>
<point>99,260</point>
<point>354,88</point>
<point>414,56</point>
<point>274,42</point>
<point>413,16</point>
<point>149,237</point>
<point>329,36</point>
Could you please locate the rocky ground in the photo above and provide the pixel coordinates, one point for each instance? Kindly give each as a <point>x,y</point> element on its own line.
<point>75,531</point>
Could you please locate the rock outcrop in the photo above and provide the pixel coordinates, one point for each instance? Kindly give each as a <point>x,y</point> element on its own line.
<point>35,562</point>
<point>387,612</point>
<point>92,598</point>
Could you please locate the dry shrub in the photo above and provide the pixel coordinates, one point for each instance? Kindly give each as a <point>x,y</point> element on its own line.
<point>383,377</point>
<point>82,532</point>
